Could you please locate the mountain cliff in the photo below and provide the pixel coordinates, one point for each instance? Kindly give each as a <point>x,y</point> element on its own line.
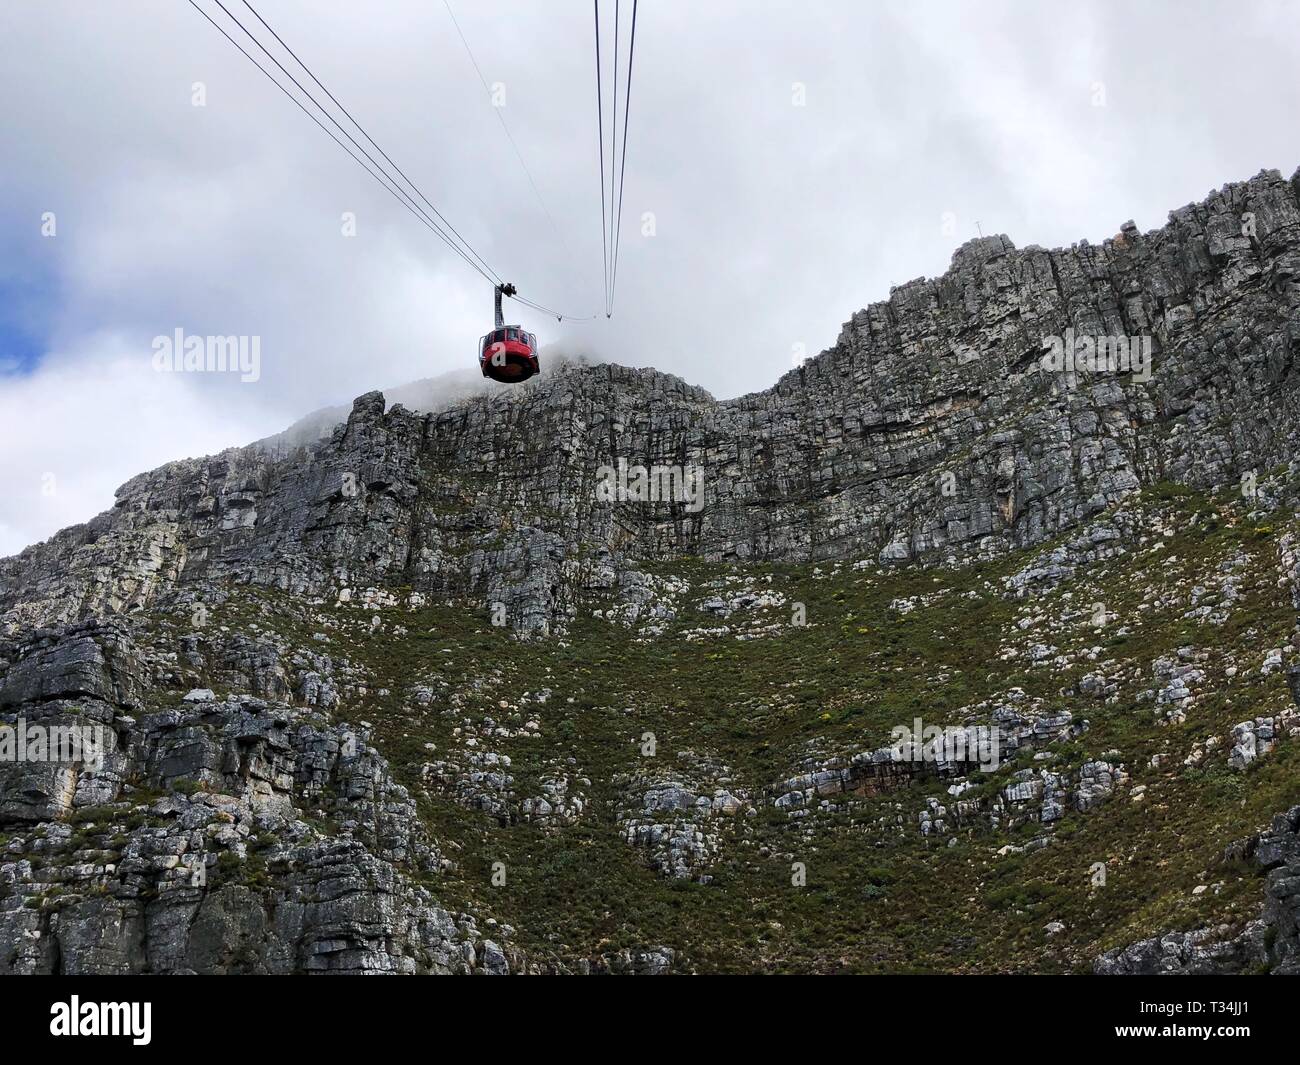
<point>463,690</point>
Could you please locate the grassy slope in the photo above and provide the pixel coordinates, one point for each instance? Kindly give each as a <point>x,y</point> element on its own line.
<point>871,902</point>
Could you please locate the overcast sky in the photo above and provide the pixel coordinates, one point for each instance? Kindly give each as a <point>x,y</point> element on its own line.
<point>772,222</point>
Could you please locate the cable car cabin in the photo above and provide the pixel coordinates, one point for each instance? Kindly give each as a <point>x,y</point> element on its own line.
<point>508,354</point>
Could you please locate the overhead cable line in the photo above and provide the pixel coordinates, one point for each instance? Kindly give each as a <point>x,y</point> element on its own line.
<point>362,128</point>
<point>558,315</point>
<point>600,127</point>
<point>559,233</point>
<point>627,100</point>
<point>386,179</point>
<point>485,269</point>
<point>394,192</point>
<point>611,195</point>
<point>613,154</point>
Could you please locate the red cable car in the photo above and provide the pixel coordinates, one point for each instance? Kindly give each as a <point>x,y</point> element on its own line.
<point>507,354</point>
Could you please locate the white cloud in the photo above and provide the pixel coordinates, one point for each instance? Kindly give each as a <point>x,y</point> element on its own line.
<point>89,422</point>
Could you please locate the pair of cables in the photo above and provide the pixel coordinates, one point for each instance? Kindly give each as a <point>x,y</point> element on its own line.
<point>373,159</point>
<point>611,216</point>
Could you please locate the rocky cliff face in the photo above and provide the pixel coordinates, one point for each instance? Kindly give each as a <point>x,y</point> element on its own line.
<point>844,457</point>
<point>233,620</point>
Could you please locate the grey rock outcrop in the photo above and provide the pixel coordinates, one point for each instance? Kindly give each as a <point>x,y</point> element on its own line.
<point>1269,944</point>
<point>216,858</point>
<point>929,430</point>
<point>260,830</point>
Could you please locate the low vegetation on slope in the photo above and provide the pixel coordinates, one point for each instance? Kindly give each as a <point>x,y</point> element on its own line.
<point>682,775</point>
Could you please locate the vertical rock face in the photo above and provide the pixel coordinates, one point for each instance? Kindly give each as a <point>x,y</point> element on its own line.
<point>843,457</point>
<point>216,786</point>
<point>257,832</point>
<point>931,429</point>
